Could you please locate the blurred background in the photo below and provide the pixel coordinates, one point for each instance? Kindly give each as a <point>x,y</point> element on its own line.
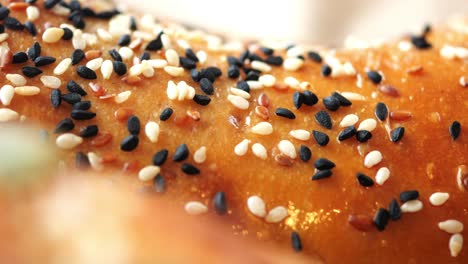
<point>305,21</point>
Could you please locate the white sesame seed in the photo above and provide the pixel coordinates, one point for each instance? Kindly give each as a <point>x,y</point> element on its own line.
<point>292,64</point>
<point>7,92</point>
<point>295,51</point>
<point>104,35</point>
<point>166,41</point>
<point>68,141</point>
<point>239,92</point>
<point>202,56</point>
<point>238,102</point>
<point>276,214</point>
<point>135,70</point>
<point>305,85</point>
<point>122,97</point>
<point>16,79</point>
<point>300,134</point>
<point>353,96</point>
<point>463,81</point>
<point>348,69</point>
<point>372,158</point>
<point>78,41</point>
<point>172,92</point>
<point>382,175</point>
<point>94,64</point>
<point>287,148</point>
<point>172,57</point>
<point>404,46</point>
<point>262,128</point>
<point>438,198</point>
<point>62,67</point>
<point>267,80</point>
<point>259,151</point>
<point>183,43</point>
<point>182,89</point>
<point>148,173</point>
<point>51,81</point>
<point>147,70</point>
<point>157,63</point>
<point>126,53</point>
<point>106,69</point>
<point>260,66</point>
<point>195,208</point>
<point>447,52</point>
<point>412,206</point>
<point>369,124</point>
<point>7,115</point>
<point>451,226</point>
<point>455,244</point>
<point>292,82</point>
<point>461,172</point>
<point>174,71</point>
<point>200,155</point>
<point>152,131</point>
<point>60,10</point>
<point>27,90</point>
<point>32,13</point>
<point>95,161</point>
<point>255,85</point>
<point>52,35</point>
<point>349,120</point>
<point>256,206</point>
<point>3,37</point>
<point>242,148</point>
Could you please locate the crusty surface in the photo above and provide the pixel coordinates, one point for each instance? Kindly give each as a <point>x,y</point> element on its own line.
<point>426,159</point>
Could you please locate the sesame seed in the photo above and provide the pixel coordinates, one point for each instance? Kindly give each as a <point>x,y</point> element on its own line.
<point>89,131</point>
<point>62,67</point>
<point>52,35</point>
<point>94,64</point>
<point>296,241</point>
<point>31,28</point>
<point>353,96</point>
<point>262,128</point>
<point>115,55</point>
<point>267,80</point>
<point>129,143</point>
<point>16,79</point>
<point>124,40</point>
<point>323,119</point>
<point>220,203</point>
<point>292,64</point>
<point>363,136</point>
<point>283,112</point>
<point>382,175</point>
<point>43,61</point>
<point>255,85</point>
<point>30,71</point>
<point>107,68</point>
<point>369,124</point>
<point>374,76</point>
<point>181,153</point>
<point>74,87</point>
<point>397,134</point>
<point>172,57</point>
<point>67,33</point>
<point>343,100</point>
<point>51,81</point>
<point>259,151</point>
<point>155,44</point>
<point>420,42</point>
<point>159,184</point>
<point>49,4</point>
<point>195,208</point>
<point>200,155</point>
<point>56,98</point>
<point>298,99</point>
<point>68,141</point>
<point>95,161</point>
<point>120,68</point>
<point>27,90</point>
<point>148,173</point>
<point>394,210</point>
<point>300,134</point>
<point>187,63</point>
<point>238,101</point>
<point>86,73</point>
<point>160,157</point>
<point>463,81</point>
<point>322,174</point>
<point>243,85</point>
<point>82,105</point>
<point>381,219</point>
<point>323,164</point>
<point>310,98</point>
<point>438,198</point>
<point>314,56</point>
<point>7,115</point>
<point>4,12</point>
<point>274,60</point>
<point>19,57</point>
<point>64,125</point>
<point>206,86</point>
<point>242,148</point>
<point>233,72</point>
<point>412,206</point>
<point>292,82</point>
<point>287,148</point>
<point>166,114</point>
<point>276,214</point>
<point>349,120</point>
<point>260,66</point>
<point>331,103</point>
<point>174,71</point>
<point>152,131</point>
<point>201,99</point>
<point>122,97</point>
<point>372,158</point>
<point>7,93</point>
<point>326,70</point>
<point>77,56</point>
<point>189,169</point>
<point>348,132</point>
<point>364,180</point>
<point>455,129</point>
<point>71,98</point>
<point>381,111</point>
<point>81,161</point>
<point>256,206</point>
<point>3,37</point>
<point>12,23</point>
<point>34,51</point>
<point>451,226</point>
<point>82,115</point>
<point>455,244</point>
<point>409,195</point>
<point>305,153</point>
<point>321,138</point>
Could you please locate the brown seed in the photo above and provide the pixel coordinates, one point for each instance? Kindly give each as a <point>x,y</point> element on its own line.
<point>108,158</point>
<point>414,70</point>
<point>5,57</point>
<point>101,139</point>
<point>462,177</point>
<point>401,115</point>
<point>262,112</point>
<point>97,89</point>
<point>263,100</point>
<point>283,160</point>
<point>195,115</point>
<point>233,121</point>
<point>131,167</point>
<point>361,222</point>
<point>131,79</point>
<point>122,114</point>
<point>389,90</point>
<point>136,43</point>
<point>181,120</point>
<point>18,6</point>
<point>106,96</point>
<point>93,54</point>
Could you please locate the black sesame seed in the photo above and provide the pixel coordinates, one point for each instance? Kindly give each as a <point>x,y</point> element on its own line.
<point>187,63</point>
<point>381,219</point>
<point>252,76</point>
<point>83,105</point>
<point>189,169</point>
<point>133,125</point>
<point>89,131</point>
<point>300,57</point>
<point>77,56</point>
<point>115,55</point>
<point>155,44</point>
<point>381,111</point>
<point>34,51</point>
<point>426,29</point>
<point>364,180</point>
<point>86,73</point>
<point>159,184</point>
<point>310,98</point>
<point>305,153</point>
<point>348,132</point>
<point>323,174</point>
<point>107,14</point>
<point>323,118</point>
<point>298,99</point>
<point>283,112</point>
<point>420,42</point>
<point>255,57</point>
<point>191,55</point>
<point>124,40</point>
<point>120,68</point>
<point>166,114</point>
<point>219,203</point>
<point>78,21</point>
<point>129,143</point>
<point>397,134</point>
<point>12,23</point>
<point>324,164</point>
<point>314,56</point>
<point>321,138</point>
<point>394,210</point>
<point>215,70</point>
<point>244,55</point>
<point>19,57</point>
<point>331,103</point>
<point>206,86</point>
<point>267,51</point>
<point>409,195</point>
<point>195,75</point>
<point>234,61</point>
<point>181,153</point>
<point>68,34</point>
<point>455,129</point>
<point>30,71</point>
<point>2,29</point>
<point>207,74</point>
<point>81,161</point>
<point>243,85</point>
<point>71,98</point>
<point>74,5</point>
<point>343,100</point>
<point>274,60</point>
<point>4,12</point>
<point>56,98</point>
<point>49,4</point>
<point>296,241</point>
<point>82,114</point>
<point>31,28</point>
<point>145,56</point>
<point>363,136</point>
<point>374,76</point>
<point>160,157</point>
<point>74,87</point>
<point>201,99</point>
<point>233,72</point>
<point>326,70</point>
<point>43,61</point>
<point>64,125</point>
